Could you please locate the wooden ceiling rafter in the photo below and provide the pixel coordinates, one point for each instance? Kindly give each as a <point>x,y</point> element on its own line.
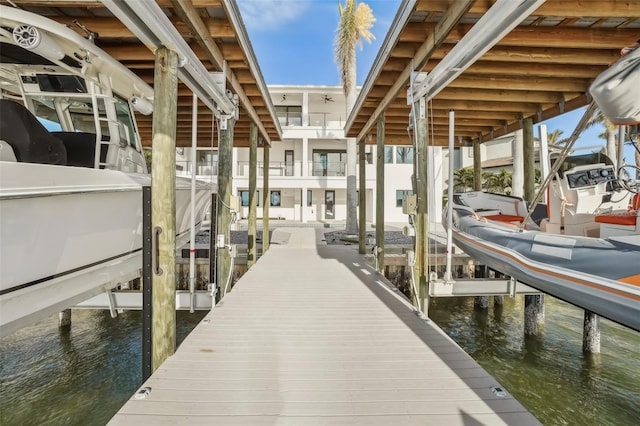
<point>540,69</point>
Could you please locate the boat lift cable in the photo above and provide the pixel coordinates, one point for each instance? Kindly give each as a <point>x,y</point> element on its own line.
<point>582,124</point>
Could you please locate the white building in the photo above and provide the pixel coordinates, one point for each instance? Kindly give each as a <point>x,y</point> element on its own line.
<point>307,169</point>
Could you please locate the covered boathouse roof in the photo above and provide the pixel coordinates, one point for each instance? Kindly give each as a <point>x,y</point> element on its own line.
<point>540,69</point>
<point>214,32</point>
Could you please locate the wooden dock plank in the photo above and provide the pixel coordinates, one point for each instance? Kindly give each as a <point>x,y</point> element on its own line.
<point>311,335</point>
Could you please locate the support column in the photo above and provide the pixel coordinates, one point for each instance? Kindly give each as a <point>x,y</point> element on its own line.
<point>64,318</point>
<point>517,178</point>
<point>533,304</point>
<point>380,195</point>
<point>352,200</point>
<point>528,163</point>
<point>266,199</point>
<point>163,205</point>
<point>533,313</point>
<point>591,333</point>
<point>421,167</point>
<point>362,199</point>
<point>225,184</point>
<point>477,166</point>
<point>481,302</point>
<point>252,250</point>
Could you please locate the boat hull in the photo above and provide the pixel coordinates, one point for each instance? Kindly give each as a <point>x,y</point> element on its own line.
<point>69,233</point>
<point>600,275</point>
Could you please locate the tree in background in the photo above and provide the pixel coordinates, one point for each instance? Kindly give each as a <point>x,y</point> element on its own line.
<point>463,179</point>
<point>354,26</point>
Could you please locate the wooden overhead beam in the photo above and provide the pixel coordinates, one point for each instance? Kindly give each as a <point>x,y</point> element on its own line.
<point>217,55</point>
<point>96,4</point>
<point>559,36</point>
<point>544,55</point>
<point>528,69</point>
<point>555,8</point>
<point>110,27</point>
<point>420,58</point>
<point>545,84</point>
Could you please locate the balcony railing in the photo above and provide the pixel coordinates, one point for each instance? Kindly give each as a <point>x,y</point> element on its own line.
<point>323,168</point>
<point>326,119</point>
<point>203,168</point>
<point>284,168</point>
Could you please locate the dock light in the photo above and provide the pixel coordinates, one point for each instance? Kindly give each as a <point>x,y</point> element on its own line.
<point>141,105</point>
<point>30,38</point>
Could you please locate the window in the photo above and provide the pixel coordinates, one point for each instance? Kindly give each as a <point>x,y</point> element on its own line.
<point>289,115</point>
<point>404,155</point>
<point>244,198</point>
<point>309,193</point>
<point>207,162</point>
<point>400,194</point>
<point>274,199</point>
<point>329,163</point>
<point>388,154</point>
<point>288,162</point>
<point>125,120</point>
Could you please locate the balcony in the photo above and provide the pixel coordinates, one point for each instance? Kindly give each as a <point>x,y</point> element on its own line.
<point>203,168</point>
<point>283,168</point>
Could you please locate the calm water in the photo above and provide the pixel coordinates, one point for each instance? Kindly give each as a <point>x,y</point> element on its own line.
<point>78,376</point>
<point>82,376</point>
<point>549,374</point>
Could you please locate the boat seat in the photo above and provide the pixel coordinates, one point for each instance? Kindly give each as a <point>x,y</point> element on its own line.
<point>81,148</point>
<point>30,140</point>
<point>504,218</point>
<point>626,218</point>
<point>621,218</point>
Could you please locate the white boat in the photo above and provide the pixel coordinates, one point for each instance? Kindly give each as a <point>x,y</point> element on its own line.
<point>70,207</point>
<point>576,254</point>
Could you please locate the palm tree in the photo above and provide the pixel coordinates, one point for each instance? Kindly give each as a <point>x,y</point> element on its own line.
<point>553,138</point>
<point>463,179</point>
<point>354,26</point>
<point>611,130</point>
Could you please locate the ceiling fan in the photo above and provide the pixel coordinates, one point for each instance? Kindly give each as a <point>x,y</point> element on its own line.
<point>327,98</point>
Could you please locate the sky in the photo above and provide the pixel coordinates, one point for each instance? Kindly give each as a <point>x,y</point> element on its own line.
<point>293,41</point>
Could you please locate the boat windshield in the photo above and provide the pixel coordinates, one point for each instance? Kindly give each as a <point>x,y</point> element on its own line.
<point>70,114</point>
<point>582,160</point>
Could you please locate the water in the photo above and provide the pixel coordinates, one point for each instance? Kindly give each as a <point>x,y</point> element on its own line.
<point>83,375</point>
<point>549,374</point>
<point>80,375</point>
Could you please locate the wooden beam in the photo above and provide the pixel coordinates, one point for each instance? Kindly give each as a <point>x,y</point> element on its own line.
<point>218,55</point>
<point>555,8</point>
<point>420,58</point>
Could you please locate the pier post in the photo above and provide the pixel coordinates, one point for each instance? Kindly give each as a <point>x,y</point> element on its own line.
<point>266,198</point>
<point>212,246</point>
<point>362,200</point>
<point>163,205</point>
<point>252,249</point>
<point>481,302</point>
<point>64,318</point>
<point>533,313</point>
<point>420,176</point>
<point>477,166</point>
<point>591,333</point>
<point>225,170</point>
<point>517,183</point>
<point>528,163</point>
<point>533,304</point>
<point>380,194</point>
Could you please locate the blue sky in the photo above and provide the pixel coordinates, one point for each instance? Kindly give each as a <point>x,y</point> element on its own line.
<point>293,41</point>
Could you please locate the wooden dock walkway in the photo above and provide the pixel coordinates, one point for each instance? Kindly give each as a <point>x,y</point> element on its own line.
<point>311,335</point>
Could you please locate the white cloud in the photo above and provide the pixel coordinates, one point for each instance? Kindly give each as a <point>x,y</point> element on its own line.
<point>261,15</point>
